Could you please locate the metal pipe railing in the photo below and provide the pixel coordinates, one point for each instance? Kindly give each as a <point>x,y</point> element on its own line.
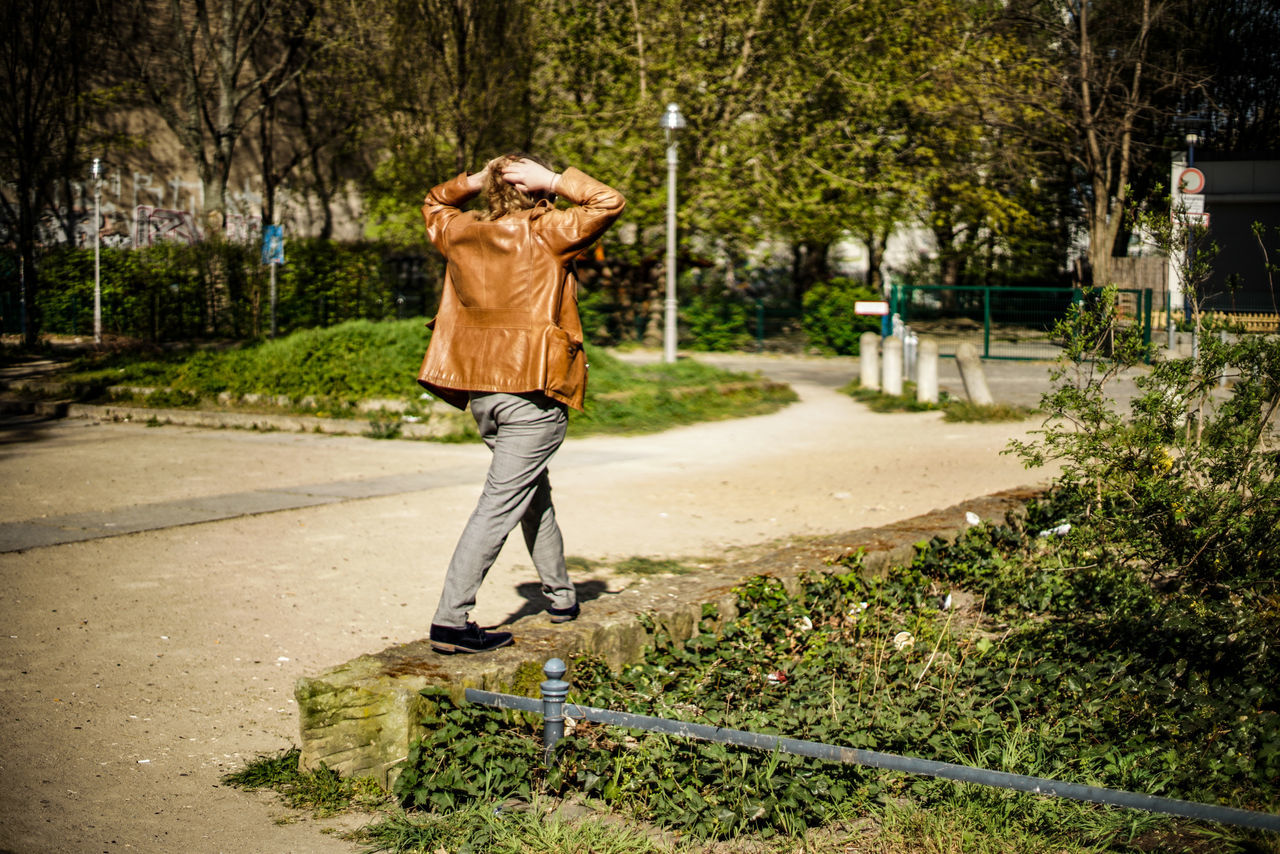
<point>553,708</point>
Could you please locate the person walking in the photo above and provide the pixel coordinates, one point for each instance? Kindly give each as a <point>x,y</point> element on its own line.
<point>507,341</point>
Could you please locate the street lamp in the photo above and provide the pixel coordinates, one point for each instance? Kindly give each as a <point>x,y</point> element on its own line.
<point>96,172</point>
<point>672,122</point>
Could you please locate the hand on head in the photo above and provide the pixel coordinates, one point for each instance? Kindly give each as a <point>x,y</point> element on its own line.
<point>528,176</point>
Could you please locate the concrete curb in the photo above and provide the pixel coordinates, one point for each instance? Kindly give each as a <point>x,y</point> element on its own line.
<point>440,422</point>
<point>359,718</point>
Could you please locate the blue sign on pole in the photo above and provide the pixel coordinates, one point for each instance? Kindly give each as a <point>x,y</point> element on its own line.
<point>273,244</point>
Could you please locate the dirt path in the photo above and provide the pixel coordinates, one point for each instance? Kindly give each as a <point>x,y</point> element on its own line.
<point>139,668</point>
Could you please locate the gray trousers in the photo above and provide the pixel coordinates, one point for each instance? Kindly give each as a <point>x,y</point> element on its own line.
<point>523,431</point>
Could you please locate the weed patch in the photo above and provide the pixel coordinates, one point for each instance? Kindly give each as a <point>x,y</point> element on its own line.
<point>322,792</point>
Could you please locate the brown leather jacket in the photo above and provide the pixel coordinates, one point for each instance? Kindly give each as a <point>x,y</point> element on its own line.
<point>508,318</point>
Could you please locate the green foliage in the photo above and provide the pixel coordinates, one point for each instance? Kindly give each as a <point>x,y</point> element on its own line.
<point>1065,671</point>
<point>829,318</point>
<point>469,754</point>
<point>715,318</point>
<point>1184,486</point>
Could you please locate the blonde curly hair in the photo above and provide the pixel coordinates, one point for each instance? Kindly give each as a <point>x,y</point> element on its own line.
<point>503,198</point>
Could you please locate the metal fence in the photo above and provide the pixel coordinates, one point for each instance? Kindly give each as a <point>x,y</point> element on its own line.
<point>553,708</point>
<point>1004,322</point>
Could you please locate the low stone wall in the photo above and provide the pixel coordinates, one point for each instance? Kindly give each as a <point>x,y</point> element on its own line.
<point>359,718</point>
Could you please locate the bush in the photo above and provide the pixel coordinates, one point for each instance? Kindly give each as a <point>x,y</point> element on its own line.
<point>716,319</point>
<point>1183,487</point>
<point>829,318</point>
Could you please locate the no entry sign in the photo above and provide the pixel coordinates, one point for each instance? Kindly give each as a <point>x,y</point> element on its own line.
<point>1191,181</point>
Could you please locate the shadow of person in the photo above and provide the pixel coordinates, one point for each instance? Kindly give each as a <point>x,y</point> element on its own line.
<point>536,603</point>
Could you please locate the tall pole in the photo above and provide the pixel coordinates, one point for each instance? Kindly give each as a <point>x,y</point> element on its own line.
<point>672,121</point>
<point>669,333</point>
<point>97,250</point>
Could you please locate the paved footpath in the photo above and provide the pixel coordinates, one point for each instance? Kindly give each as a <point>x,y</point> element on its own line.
<point>165,587</point>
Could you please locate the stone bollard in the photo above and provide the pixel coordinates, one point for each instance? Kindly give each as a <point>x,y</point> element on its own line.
<point>869,360</point>
<point>927,371</point>
<point>975,380</point>
<point>892,365</point>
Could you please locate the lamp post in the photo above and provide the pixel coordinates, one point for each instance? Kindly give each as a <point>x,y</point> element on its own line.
<point>672,122</point>
<point>96,172</point>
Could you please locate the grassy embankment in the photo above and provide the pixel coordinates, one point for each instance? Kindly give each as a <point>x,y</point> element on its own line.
<point>366,370</point>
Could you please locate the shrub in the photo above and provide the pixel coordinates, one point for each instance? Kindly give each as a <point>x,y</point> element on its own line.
<point>1183,487</point>
<point>829,318</point>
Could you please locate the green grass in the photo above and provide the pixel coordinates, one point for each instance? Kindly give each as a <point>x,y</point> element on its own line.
<point>329,371</point>
<point>953,410</point>
<point>509,829</point>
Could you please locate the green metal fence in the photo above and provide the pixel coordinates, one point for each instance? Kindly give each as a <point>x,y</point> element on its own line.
<point>1004,322</point>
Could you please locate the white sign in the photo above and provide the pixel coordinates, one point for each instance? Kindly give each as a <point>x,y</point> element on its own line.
<point>1192,204</point>
<point>872,307</point>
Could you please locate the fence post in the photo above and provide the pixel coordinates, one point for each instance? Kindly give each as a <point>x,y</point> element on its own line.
<point>986,322</point>
<point>554,691</point>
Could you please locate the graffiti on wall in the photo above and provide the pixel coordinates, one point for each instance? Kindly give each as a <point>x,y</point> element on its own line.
<point>153,225</point>
<point>149,211</point>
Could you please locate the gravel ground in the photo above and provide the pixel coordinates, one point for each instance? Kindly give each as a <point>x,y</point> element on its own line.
<point>190,576</point>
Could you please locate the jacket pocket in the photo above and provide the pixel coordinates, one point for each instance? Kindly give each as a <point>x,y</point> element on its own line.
<point>566,363</point>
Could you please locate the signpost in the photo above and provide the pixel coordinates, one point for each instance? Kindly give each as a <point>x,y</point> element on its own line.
<point>273,256</point>
<point>1187,209</point>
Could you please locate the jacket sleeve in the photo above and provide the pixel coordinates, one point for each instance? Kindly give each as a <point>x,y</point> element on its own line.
<point>442,204</point>
<point>596,206</point>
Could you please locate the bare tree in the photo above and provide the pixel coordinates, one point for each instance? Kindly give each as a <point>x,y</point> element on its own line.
<point>45,49</point>
<point>193,60</point>
<point>1108,76</point>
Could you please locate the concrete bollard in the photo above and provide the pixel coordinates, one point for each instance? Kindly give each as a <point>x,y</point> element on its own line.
<point>975,380</point>
<point>892,379</point>
<point>927,371</point>
<point>869,360</point>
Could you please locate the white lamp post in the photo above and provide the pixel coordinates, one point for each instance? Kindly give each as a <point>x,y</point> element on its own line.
<point>672,121</point>
<point>96,172</point>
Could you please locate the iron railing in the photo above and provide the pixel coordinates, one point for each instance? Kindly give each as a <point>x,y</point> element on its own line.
<point>1004,322</point>
<point>554,708</point>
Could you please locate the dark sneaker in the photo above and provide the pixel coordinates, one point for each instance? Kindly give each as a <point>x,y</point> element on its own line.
<point>448,640</point>
<point>564,615</point>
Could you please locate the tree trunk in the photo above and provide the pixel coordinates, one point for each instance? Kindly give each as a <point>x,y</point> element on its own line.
<point>809,266</point>
<point>875,259</point>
